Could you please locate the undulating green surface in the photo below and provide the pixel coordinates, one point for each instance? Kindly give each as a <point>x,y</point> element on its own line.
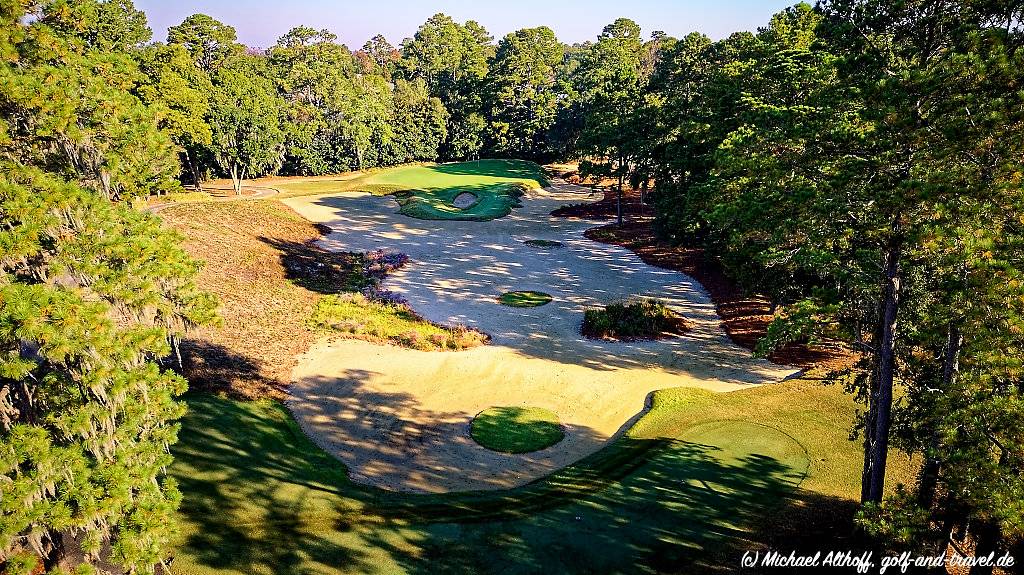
<point>685,490</point>
<point>516,429</point>
<point>524,298</point>
<point>427,191</point>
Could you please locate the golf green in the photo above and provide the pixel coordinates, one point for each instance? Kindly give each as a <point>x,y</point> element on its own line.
<point>430,192</point>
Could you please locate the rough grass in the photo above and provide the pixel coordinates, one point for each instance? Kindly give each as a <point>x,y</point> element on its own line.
<point>428,191</point>
<point>264,267</point>
<point>524,298</point>
<point>632,319</point>
<point>266,272</point>
<point>358,317</point>
<point>516,429</point>
<point>696,481</point>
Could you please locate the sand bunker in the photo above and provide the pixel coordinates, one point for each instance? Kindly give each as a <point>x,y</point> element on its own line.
<point>464,200</point>
<point>400,418</point>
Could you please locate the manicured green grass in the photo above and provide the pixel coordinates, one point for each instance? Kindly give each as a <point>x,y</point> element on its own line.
<point>524,298</point>
<point>695,482</point>
<point>516,429</point>
<point>427,191</point>
<point>543,244</point>
<point>632,319</point>
<point>358,317</point>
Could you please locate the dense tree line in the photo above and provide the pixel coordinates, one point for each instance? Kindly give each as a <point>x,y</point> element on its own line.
<point>859,162</point>
<point>308,105</point>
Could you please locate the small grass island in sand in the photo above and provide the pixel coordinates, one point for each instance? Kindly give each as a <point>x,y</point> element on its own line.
<point>544,244</point>
<point>524,298</point>
<point>516,429</point>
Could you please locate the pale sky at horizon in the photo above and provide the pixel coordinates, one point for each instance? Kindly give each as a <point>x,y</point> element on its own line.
<point>261,22</point>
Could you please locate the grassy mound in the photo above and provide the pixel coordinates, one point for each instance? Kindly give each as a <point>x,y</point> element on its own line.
<point>516,429</point>
<point>632,319</point>
<point>543,244</point>
<point>429,192</point>
<point>524,298</point>
<point>386,322</point>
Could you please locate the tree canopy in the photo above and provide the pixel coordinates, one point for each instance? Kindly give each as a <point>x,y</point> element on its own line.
<point>857,162</point>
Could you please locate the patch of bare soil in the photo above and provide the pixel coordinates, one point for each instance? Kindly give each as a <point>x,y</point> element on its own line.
<point>607,207</point>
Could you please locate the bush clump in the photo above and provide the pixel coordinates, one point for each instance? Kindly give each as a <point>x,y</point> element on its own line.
<point>631,320</point>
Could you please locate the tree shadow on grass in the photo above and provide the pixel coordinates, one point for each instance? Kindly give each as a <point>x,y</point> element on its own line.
<point>261,498</point>
<point>214,368</point>
<point>319,270</point>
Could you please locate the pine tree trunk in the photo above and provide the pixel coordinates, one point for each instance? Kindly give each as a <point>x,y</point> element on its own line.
<point>194,171</point>
<point>869,440</point>
<point>986,539</point>
<point>618,197</point>
<point>950,365</point>
<point>885,373</point>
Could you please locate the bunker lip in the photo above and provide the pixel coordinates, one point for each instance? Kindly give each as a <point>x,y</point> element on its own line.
<point>400,418</point>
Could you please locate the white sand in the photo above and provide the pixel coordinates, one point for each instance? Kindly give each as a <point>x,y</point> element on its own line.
<point>399,418</point>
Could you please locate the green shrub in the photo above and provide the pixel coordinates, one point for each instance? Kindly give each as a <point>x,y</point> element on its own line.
<point>632,319</point>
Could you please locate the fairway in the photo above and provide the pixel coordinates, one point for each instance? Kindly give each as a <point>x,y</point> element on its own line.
<point>264,499</point>
<point>429,192</point>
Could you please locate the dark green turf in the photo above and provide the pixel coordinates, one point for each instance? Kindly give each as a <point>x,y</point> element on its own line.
<point>259,497</point>
<point>524,298</point>
<point>516,429</point>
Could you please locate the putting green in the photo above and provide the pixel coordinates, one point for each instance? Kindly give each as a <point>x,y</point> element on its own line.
<point>516,429</point>
<point>739,443</point>
<point>430,192</point>
<point>524,298</point>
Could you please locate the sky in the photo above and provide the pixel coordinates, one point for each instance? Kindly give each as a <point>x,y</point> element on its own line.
<point>261,22</point>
